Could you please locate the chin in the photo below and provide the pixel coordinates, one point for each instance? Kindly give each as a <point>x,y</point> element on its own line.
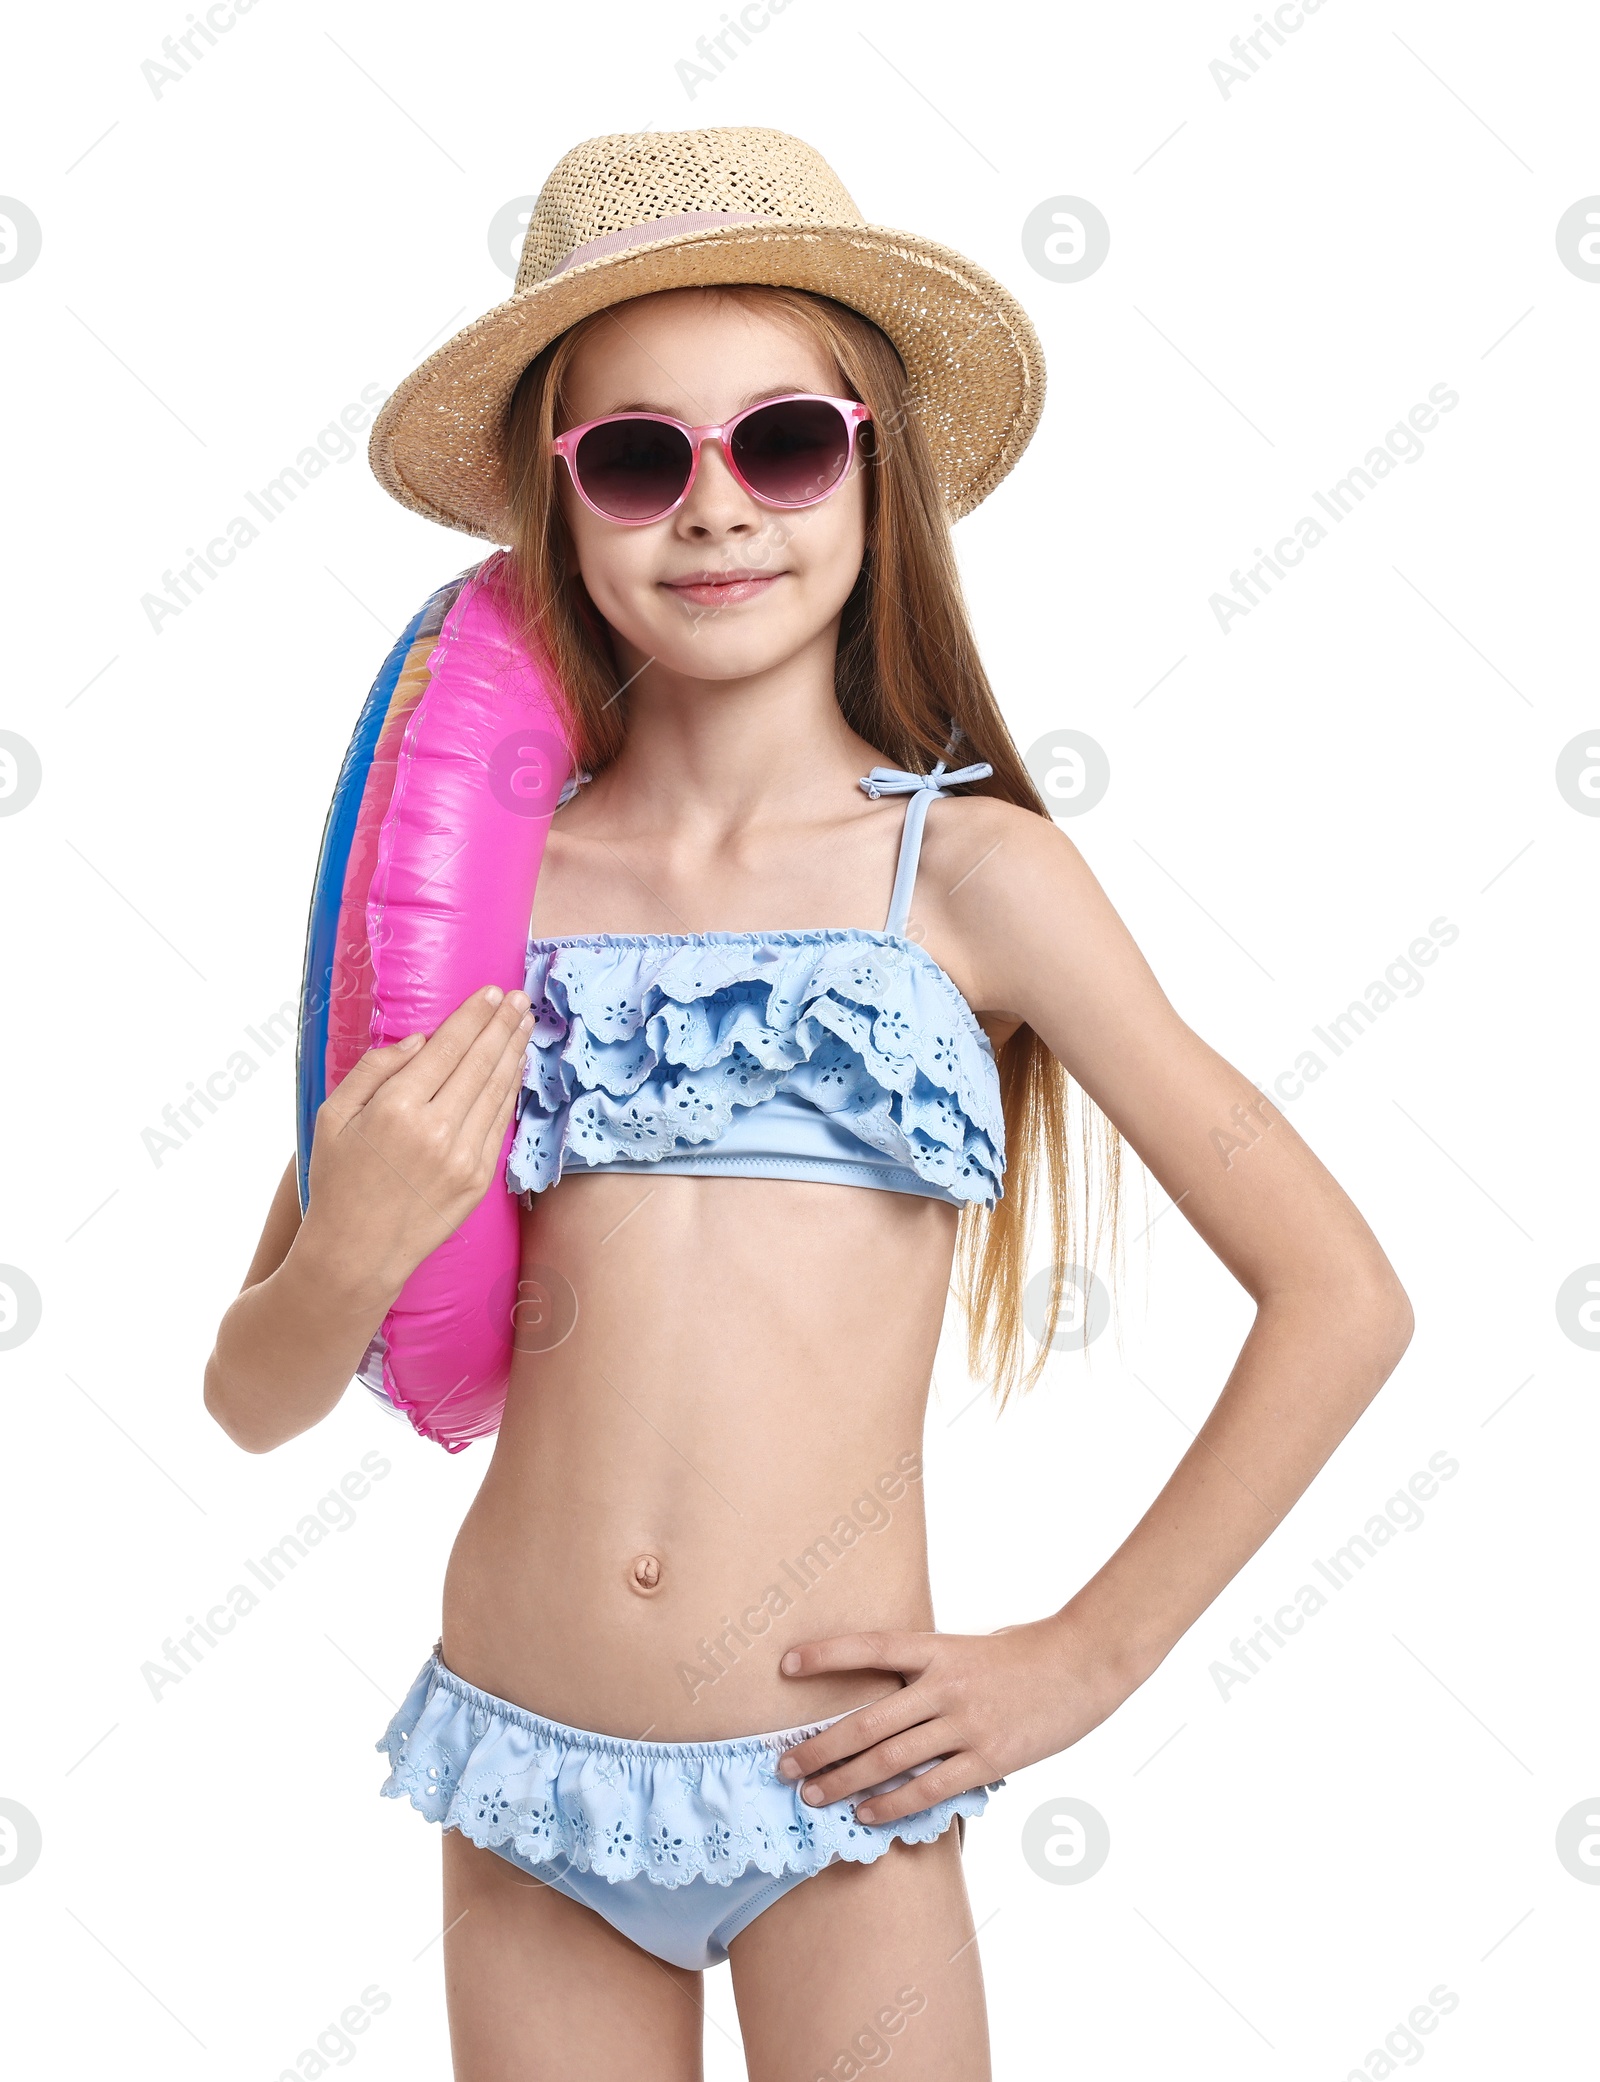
<point>724,661</point>
<point>726,651</point>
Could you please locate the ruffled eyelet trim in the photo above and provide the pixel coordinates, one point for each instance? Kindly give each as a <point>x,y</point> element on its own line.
<point>674,1811</point>
<point>644,1044</point>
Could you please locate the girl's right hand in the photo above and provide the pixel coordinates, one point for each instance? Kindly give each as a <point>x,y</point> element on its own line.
<point>408,1144</point>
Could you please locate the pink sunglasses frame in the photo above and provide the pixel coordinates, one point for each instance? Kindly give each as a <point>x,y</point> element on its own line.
<point>853,412</point>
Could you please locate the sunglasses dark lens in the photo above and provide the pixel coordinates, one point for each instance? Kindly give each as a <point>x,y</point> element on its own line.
<point>794,451</point>
<point>633,469</point>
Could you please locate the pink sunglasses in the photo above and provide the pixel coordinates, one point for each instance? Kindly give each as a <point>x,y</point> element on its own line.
<point>635,467</point>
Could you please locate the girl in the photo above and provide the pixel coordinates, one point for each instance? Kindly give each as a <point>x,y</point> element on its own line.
<point>786,1039</point>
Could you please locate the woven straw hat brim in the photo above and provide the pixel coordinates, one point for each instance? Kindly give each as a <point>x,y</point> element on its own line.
<point>974,360</point>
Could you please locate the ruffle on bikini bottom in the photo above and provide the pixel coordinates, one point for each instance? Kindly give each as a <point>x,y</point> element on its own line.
<point>675,1811</point>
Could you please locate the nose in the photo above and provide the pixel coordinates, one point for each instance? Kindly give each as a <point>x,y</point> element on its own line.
<point>718,507</point>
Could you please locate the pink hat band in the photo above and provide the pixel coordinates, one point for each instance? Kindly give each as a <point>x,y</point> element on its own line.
<point>644,234</point>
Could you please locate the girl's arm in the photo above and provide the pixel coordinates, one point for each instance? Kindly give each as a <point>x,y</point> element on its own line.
<point>1044,944</point>
<point>1332,1318</point>
<point>403,1150</point>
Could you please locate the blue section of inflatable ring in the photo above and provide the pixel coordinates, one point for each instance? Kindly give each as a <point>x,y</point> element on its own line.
<point>311,1059</point>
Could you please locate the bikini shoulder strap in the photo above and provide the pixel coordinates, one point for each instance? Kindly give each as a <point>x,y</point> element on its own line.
<point>924,790</point>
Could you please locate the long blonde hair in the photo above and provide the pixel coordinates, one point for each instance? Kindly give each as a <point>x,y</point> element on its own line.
<point>907,668</point>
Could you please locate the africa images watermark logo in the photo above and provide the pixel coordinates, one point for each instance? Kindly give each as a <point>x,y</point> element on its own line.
<point>182,1654</point>
<point>1403,443</point>
<point>276,1031</point>
<point>181,53</point>
<point>1402,1513</point>
<point>333,444</point>
<point>1249,52</point>
<point>1340,1031</point>
<point>21,240</point>
<point>718,49</point>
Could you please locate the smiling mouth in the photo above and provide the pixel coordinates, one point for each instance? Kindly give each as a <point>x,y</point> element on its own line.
<point>722,588</point>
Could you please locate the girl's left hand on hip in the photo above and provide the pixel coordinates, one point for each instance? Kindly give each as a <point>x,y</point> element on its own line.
<point>985,1703</point>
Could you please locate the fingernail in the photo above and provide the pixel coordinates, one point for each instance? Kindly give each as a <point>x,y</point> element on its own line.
<point>788,1768</point>
<point>518,1001</point>
<point>494,994</point>
<point>865,1814</point>
<point>790,1663</point>
<point>813,1794</point>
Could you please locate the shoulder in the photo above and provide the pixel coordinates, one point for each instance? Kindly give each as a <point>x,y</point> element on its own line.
<point>999,888</point>
<point>1023,844</point>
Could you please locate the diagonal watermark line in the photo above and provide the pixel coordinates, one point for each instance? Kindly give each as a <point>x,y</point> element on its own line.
<point>988,1919</point>
<point>1465,1173</point>
<point>628,1217</point>
<point>660,1434</point>
<point>132,1441</point>
<point>1171,669</point>
<point>448,1395</point>
<point>1215,1990</point>
<point>1510,329</point>
<point>1467,640</point>
<point>350,1659</point>
<point>939,112</point>
<point>439,870</point>
<point>632,676</point>
<point>384,91</point>
<point>1221,393</point>
<point>967,1405</point>
<point>1511,863</point>
<point>89,1752</point>
<point>428,342</point>
<point>134,908</point>
<point>89,683</point>
<point>89,1217</point>
<point>443,1933</point>
<point>1143,163</point>
<point>100,140</point>
<point>971,871</point>
<point>1172,1738</point>
<point>1465,1708</point>
<point>1499,1941</point>
<point>1200,907</point>
<point>356,597</point>
<point>1499,1406</point>
<point>1162,1213</point>
<point>649,887</point>
<point>132,1976</point>
<point>1471,111</point>
<point>116,357</point>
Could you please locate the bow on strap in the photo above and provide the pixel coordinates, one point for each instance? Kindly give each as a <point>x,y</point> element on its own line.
<point>893,780</point>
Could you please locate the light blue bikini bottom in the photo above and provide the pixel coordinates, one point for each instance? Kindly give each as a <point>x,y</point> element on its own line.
<point>679,1845</point>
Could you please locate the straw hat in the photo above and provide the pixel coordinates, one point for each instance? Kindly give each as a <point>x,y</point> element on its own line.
<point>624,215</point>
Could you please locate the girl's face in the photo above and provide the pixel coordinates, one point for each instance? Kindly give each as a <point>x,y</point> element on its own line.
<point>724,587</point>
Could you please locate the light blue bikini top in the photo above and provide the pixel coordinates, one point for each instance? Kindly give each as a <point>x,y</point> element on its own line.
<point>831,1053</point>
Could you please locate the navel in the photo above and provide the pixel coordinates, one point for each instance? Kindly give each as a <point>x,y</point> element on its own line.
<point>644,1574</point>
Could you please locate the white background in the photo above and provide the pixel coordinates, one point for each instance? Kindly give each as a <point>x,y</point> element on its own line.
<point>305,213</point>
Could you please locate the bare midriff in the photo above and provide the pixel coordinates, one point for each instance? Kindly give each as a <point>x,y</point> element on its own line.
<point>719,1460</point>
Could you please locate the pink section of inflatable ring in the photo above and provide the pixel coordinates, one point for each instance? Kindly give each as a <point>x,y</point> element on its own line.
<point>480,765</point>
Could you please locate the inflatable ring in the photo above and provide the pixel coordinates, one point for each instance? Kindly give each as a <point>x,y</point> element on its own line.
<point>423,894</point>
